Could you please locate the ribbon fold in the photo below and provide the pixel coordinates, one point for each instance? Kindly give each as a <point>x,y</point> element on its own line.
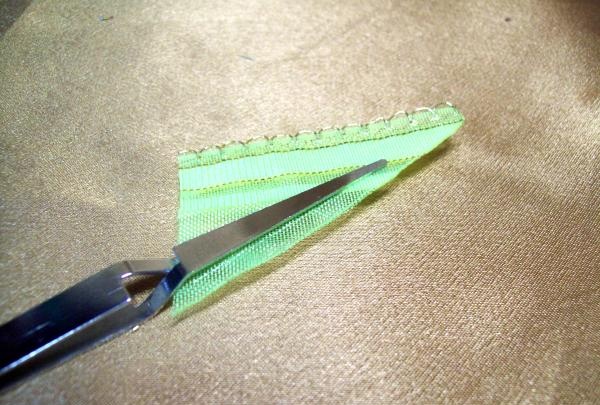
<point>222,184</point>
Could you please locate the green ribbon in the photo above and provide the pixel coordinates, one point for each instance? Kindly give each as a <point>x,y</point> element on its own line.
<point>222,184</point>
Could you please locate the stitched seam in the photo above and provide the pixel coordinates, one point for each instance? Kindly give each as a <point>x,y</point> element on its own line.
<point>280,176</point>
<point>408,117</point>
<point>290,148</point>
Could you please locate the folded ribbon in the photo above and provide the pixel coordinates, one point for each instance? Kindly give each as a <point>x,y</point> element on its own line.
<point>222,184</point>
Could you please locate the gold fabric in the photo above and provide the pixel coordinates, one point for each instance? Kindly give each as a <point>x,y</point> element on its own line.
<point>474,278</point>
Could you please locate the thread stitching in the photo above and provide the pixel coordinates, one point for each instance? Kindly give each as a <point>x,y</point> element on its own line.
<point>326,146</point>
<point>317,134</point>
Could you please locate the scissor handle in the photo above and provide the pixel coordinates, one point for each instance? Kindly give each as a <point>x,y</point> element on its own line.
<point>81,317</point>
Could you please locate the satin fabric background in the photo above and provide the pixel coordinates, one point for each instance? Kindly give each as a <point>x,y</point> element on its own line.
<point>473,278</point>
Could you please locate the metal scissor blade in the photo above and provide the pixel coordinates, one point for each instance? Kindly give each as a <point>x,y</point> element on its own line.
<point>100,307</point>
<point>205,249</point>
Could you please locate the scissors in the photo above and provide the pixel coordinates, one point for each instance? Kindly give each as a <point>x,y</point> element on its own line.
<point>101,307</point>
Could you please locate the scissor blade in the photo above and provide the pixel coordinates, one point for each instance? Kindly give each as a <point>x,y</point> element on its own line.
<point>100,307</point>
<point>209,247</point>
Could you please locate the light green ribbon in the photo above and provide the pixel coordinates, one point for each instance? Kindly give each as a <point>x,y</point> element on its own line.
<point>222,184</point>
